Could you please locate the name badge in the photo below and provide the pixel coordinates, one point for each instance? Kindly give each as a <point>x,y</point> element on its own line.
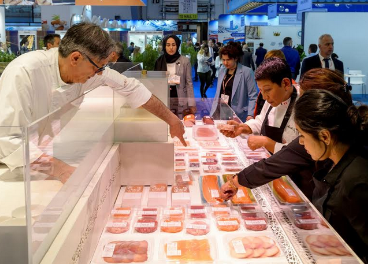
<point>225,98</point>
<point>174,79</point>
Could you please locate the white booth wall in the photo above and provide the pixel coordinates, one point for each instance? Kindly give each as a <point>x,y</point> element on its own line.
<point>349,34</point>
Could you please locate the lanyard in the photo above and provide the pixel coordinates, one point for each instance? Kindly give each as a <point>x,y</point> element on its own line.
<point>224,84</point>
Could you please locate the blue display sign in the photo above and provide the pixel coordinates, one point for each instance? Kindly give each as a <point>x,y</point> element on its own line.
<point>272,11</point>
<point>304,5</point>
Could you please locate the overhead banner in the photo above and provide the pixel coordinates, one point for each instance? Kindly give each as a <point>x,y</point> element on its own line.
<point>231,5</point>
<point>272,11</point>
<point>188,9</point>
<point>38,2</point>
<point>231,28</point>
<point>304,5</point>
<point>112,2</point>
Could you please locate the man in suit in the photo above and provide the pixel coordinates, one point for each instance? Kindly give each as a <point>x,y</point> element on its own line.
<point>260,53</point>
<point>323,58</point>
<point>292,57</point>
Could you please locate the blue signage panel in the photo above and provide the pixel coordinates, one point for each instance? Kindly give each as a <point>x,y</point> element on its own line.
<point>272,11</point>
<point>304,5</point>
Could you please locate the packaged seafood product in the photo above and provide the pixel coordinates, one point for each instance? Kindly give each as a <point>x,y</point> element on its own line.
<point>303,217</point>
<point>208,120</point>
<point>179,154</point>
<point>209,144</point>
<point>148,213</point>
<point>229,157</point>
<point>121,212</point>
<point>157,195</point>
<point>188,250</point>
<point>220,210</point>
<point>180,195</point>
<point>197,227</point>
<point>284,192</point>
<point>172,225</point>
<point>326,245</point>
<point>125,251</point>
<point>228,223</point>
<point>118,226</point>
<point>174,212</point>
<point>132,195</point>
<point>248,211</point>
<point>145,225</point>
<point>243,195</point>
<point>183,178</point>
<point>225,127</point>
<point>205,133</point>
<point>253,247</point>
<point>189,120</point>
<point>197,211</point>
<point>233,168</point>
<point>210,189</point>
<point>256,222</point>
<point>211,168</point>
<point>209,161</point>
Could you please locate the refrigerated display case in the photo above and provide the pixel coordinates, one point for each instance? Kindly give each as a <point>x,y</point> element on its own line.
<point>116,154</point>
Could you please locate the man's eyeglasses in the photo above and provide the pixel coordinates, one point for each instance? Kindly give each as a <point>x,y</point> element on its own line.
<point>99,69</point>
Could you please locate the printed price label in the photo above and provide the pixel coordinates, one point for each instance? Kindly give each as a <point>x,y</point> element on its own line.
<point>172,249</point>
<point>215,193</point>
<point>185,177</point>
<point>227,223</point>
<point>238,247</point>
<point>171,224</point>
<point>121,224</point>
<point>131,196</point>
<point>108,251</point>
<point>255,222</point>
<point>197,211</point>
<point>240,193</point>
<point>220,209</point>
<point>290,192</point>
<point>195,226</point>
<point>147,212</point>
<point>308,221</point>
<point>120,212</point>
<point>144,225</point>
<point>173,212</point>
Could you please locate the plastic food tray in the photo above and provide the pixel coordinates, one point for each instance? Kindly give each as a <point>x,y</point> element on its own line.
<point>205,133</point>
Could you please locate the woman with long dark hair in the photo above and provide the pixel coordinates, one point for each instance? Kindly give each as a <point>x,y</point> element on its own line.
<point>180,80</point>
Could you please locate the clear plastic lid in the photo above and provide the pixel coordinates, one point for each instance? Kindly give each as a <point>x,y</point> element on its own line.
<point>211,168</point>
<point>197,227</point>
<point>118,225</point>
<point>146,225</point>
<point>178,212</point>
<point>114,249</point>
<point>132,195</point>
<point>157,195</point>
<point>256,221</point>
<point>220,210</point>
<point>228,223</point>
<point>180,195</point>
<point>121,212</point>
<point>183,178</point>
<point>205,133</point>
<point>197,211</point>
<point>172,224</point>
<point>148,212</point>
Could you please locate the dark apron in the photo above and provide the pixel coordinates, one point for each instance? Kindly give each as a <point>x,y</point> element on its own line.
<point>275,133</point>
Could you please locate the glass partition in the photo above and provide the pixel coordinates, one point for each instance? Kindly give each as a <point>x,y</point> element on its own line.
<point>14,246</point>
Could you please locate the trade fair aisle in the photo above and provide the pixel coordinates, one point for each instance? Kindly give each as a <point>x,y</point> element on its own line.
<point>188,222</point>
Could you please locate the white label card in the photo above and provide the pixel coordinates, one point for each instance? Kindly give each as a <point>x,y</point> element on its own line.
<point>238,247</point>
<point>255,222</point>
<point>227,223</point>
<point>173,212</point>
<point>197,211</point>
<point>185,177</point>
<point>147,213</point>
<point>120,212</point>
<point>171,224</point>
<point>181,196</point>
<point>144,225</point>
<point>220,209</point>
<point>290,192</point>
<point>308,221</point>
<point>172,249</point>
<point>122,224</point>
<point>240,193</point>
<point>160,195</point>
<point>195,226</point>
<point>215,193</point>
<point>108,251</point>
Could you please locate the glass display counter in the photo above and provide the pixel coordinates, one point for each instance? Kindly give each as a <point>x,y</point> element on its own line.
<point>84,161</point>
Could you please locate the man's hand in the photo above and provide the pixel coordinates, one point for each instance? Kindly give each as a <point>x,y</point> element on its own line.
<point>256,142</point>
<point>227,192</point>
<point>177,130</point>
<point>249,118</point>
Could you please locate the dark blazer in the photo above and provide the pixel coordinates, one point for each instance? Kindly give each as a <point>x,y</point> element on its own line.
<point>314,62</point>
<point>260,53</point>
<point>247,60</point>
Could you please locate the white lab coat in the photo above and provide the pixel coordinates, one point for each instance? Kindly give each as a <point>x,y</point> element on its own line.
<point>275,118</point>
<point>31,88</point>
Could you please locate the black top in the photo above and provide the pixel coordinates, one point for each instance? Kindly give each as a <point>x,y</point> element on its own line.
<point>346,204</point>
<point>314,62</point>
<point>227,85</point>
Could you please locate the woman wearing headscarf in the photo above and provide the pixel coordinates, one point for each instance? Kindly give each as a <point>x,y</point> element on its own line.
<point>180,80</point>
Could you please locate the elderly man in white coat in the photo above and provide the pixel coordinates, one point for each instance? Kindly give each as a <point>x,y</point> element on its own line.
<point>32,86</point>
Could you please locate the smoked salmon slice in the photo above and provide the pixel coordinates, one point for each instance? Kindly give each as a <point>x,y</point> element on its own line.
<point>189,250</point>
<point>285,191</point>
<point>210,189</point>
<point>242,196</point>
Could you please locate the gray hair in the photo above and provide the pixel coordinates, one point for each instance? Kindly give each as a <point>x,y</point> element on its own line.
<point>119,49</point>
<point>88,39</point>
<point>322,36</point>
